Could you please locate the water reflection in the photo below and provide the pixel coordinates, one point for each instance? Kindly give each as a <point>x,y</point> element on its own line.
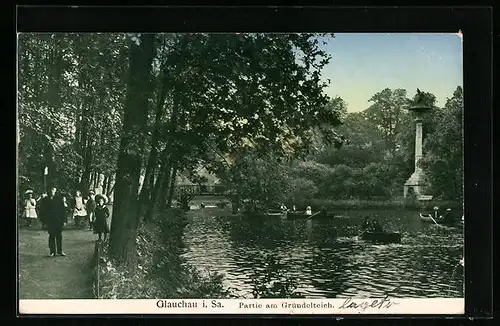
<point>325,257</point>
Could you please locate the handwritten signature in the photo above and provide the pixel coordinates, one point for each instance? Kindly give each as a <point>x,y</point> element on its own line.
<point>384,303</point>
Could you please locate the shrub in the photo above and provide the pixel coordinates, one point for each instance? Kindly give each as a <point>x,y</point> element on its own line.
<point>117,283</point>
<point>329,204</point>
<point>161,271</point>
<point>303,190</point>
<point>397,203</point>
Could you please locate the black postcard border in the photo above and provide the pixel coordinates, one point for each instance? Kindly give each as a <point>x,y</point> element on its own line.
<point>474,22</point>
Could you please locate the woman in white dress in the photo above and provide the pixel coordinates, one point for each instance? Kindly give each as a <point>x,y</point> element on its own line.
<point>79,211</point>
<point>29,213</point>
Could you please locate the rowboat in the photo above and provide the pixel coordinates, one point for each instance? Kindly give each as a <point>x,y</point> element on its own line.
<point>381,237</point>
<point>279,214</point>
<point>302,215</point>
<point>296,214</point>
<point>276,214</point>
<point>428,218</point>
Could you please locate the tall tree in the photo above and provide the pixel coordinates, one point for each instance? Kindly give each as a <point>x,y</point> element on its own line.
<point>270,97</point>
<point>443,161</point>
<point>58,114</point>
<point>263,179</point>
<point>363,144</point>
<point>125,218</point>
<point>387,113</point>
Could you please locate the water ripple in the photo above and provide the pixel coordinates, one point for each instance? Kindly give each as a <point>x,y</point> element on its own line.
<point>327,259</point>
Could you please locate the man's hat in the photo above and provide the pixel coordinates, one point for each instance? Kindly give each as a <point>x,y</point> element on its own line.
<point>29,191</point>
<point>92,192</point>
<point>99,196</point>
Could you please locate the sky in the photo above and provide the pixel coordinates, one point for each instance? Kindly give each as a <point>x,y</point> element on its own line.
<point>364,64</point>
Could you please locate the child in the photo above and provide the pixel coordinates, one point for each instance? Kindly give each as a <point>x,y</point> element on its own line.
<point>79,211</point>
<point>29,212</point>
<point>101,214</point>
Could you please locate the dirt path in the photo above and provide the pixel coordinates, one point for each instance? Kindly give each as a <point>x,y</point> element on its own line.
<point>44,277</point>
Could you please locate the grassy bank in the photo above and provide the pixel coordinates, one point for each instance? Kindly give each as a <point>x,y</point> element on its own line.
<point>161,271</point>
<point>397,203</point>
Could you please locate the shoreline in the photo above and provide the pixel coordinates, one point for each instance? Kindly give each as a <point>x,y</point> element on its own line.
<point>399,204</point>
<point>357,204</point>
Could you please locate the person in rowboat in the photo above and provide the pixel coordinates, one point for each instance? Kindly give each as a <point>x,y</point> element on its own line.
<point>447,216</point>
<point>435,213</point>
<point>367,224</point>
<point>375,226</point>
<point>283,208</point>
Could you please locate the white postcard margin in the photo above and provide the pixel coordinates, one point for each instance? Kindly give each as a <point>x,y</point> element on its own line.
<point>417,306</point>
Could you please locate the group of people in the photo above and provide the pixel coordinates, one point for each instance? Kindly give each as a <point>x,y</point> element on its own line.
<point>52,211</point>
<point>308,211</point>
<point>371,225</point>
<point>445,218</point>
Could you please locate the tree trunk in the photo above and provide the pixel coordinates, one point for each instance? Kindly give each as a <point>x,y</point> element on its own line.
<point>100,181</point>
<point>153,155</point>
<point>53,99</point>
<point>88,160</point>
<point>96,179</point>
<point>155,195</point>
<point>54,88</point>
<point>124,222</point>
<point>105,184</point>
<point>86,174</point>
<point>92,180</point>
<point>172,187</point>
<point>165,187</point>
<point>78,132</point>
<point>110,187</point>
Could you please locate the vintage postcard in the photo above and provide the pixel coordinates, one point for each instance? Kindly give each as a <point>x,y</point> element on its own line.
<point>240,173</point>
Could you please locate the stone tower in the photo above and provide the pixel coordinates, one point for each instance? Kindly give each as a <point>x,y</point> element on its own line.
<point>416,182</point>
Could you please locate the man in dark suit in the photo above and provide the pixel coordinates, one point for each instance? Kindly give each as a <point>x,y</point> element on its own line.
<point>55,209</point>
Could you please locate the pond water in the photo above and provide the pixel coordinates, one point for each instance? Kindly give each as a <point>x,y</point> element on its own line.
<point>325,258</point>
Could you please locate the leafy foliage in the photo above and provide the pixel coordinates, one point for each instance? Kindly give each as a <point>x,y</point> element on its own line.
<point>263,180</point>
<point>443,163</point>
<point>269,98</point>
<point>387,112</point>
<point>378,167</point>
<point>162,273</point>
<point>70,95</point>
